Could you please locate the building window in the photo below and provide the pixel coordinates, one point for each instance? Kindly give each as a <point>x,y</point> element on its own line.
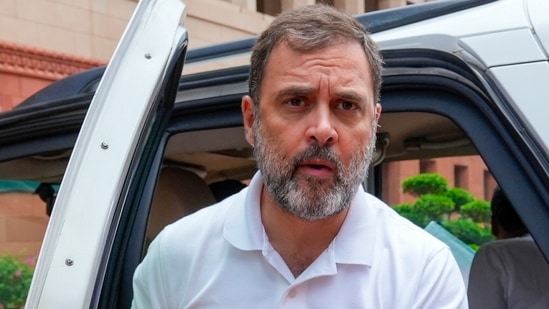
<point>427,166</point>
<point>269,7</point>
<point>461,177</point>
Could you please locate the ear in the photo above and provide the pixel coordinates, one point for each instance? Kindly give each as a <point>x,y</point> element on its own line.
<point>377,111</point>
<point>248,114</point>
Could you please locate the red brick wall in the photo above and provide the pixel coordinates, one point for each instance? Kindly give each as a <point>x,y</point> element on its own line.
<point>23,222</point>
<point>15,88</point>
<point>24,70</point>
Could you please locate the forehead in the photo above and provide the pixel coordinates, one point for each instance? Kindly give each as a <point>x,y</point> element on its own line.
<point>342,65</point>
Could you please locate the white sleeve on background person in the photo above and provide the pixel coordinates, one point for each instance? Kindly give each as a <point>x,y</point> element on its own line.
<point>442,285</point>
<point>149,289</point>
<point>485,288</point>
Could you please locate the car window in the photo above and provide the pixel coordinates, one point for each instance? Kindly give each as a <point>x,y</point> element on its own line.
<point>25,207</point>
<point>25,217</point>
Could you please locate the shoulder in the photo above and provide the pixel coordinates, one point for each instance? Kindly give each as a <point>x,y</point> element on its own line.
<point>402,231</point>
<point>407,253</point>
<point>396,236</point>
<point>509,249</point>
<point>392,236</point>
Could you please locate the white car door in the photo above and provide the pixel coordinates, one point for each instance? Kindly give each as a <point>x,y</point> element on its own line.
<point>133,98</point>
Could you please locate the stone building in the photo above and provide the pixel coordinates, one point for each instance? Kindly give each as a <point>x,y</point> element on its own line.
<point>43,41</point>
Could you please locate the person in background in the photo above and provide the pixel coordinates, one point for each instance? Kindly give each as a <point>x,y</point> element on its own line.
<point>510,272</point>
<point>304,233</point>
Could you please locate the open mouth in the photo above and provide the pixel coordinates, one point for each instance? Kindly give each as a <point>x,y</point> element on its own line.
<point>318,168</point>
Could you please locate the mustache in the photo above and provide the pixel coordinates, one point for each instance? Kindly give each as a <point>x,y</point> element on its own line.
<point>314,151</point>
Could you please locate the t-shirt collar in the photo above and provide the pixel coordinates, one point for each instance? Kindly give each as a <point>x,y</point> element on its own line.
<point>354,243</point>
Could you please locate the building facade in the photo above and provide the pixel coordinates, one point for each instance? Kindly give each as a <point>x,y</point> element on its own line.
<point>43,41</point>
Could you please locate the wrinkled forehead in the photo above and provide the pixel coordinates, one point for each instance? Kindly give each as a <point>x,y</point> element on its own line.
<point>308,42</point>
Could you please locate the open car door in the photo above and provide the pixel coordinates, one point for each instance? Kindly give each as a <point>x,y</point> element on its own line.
<point>114,152</point>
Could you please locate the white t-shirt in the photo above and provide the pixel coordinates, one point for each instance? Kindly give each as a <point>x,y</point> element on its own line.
<point>509,273</point>
<point>220,257</point>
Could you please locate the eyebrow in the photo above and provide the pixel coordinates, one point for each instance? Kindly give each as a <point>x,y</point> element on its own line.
<point>350,95</point>
<point>295,91</point>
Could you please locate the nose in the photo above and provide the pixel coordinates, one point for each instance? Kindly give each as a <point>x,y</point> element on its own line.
<point>321,128</point>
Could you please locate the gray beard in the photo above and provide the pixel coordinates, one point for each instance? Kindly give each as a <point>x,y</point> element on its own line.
<point>307,197</point>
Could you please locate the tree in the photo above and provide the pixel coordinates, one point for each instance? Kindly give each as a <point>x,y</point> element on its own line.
<point>456,209</point>
<point>409,212</point>
<point>459,196</point>
<point>425,184</point>
<point>478,211</point>
<point>469,232</point>
<point>427,208</point>
<point>436,207</point>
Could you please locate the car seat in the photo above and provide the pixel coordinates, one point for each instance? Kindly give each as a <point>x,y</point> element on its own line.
<point>179,192</point>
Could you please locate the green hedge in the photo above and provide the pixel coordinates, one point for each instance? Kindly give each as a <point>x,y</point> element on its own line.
<point>15,279</point>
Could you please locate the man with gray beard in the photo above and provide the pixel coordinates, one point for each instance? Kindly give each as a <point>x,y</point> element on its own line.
<point>304,234</point>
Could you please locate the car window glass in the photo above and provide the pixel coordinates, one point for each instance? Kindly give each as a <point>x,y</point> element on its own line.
<point>24,215</point>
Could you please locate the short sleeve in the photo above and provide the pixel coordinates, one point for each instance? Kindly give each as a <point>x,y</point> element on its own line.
<point>149,289</point>
<point>442,285</point>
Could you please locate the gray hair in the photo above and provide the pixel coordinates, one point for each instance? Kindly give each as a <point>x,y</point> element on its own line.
<point>310,28</point>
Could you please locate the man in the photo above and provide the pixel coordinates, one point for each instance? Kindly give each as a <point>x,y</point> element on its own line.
<point>304,234</point>
<point>511,271</point>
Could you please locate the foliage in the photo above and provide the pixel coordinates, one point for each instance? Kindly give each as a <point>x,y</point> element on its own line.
<point>469,232</point>
<point>408,211</point>
<point>15,279</point>
<point>435,206</point>
<point>427,208</point>
<point>459,196</point>
<point>455,209</point>
<point>425,184</point>
<point>478,211</point>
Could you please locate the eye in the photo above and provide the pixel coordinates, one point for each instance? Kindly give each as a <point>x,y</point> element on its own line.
<point>295,102</point>
<point>347,106</point>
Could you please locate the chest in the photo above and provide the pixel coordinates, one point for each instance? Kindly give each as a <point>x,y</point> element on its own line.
<point>266,282</point>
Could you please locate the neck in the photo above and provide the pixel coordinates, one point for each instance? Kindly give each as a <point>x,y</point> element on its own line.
<point>299,242</point>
